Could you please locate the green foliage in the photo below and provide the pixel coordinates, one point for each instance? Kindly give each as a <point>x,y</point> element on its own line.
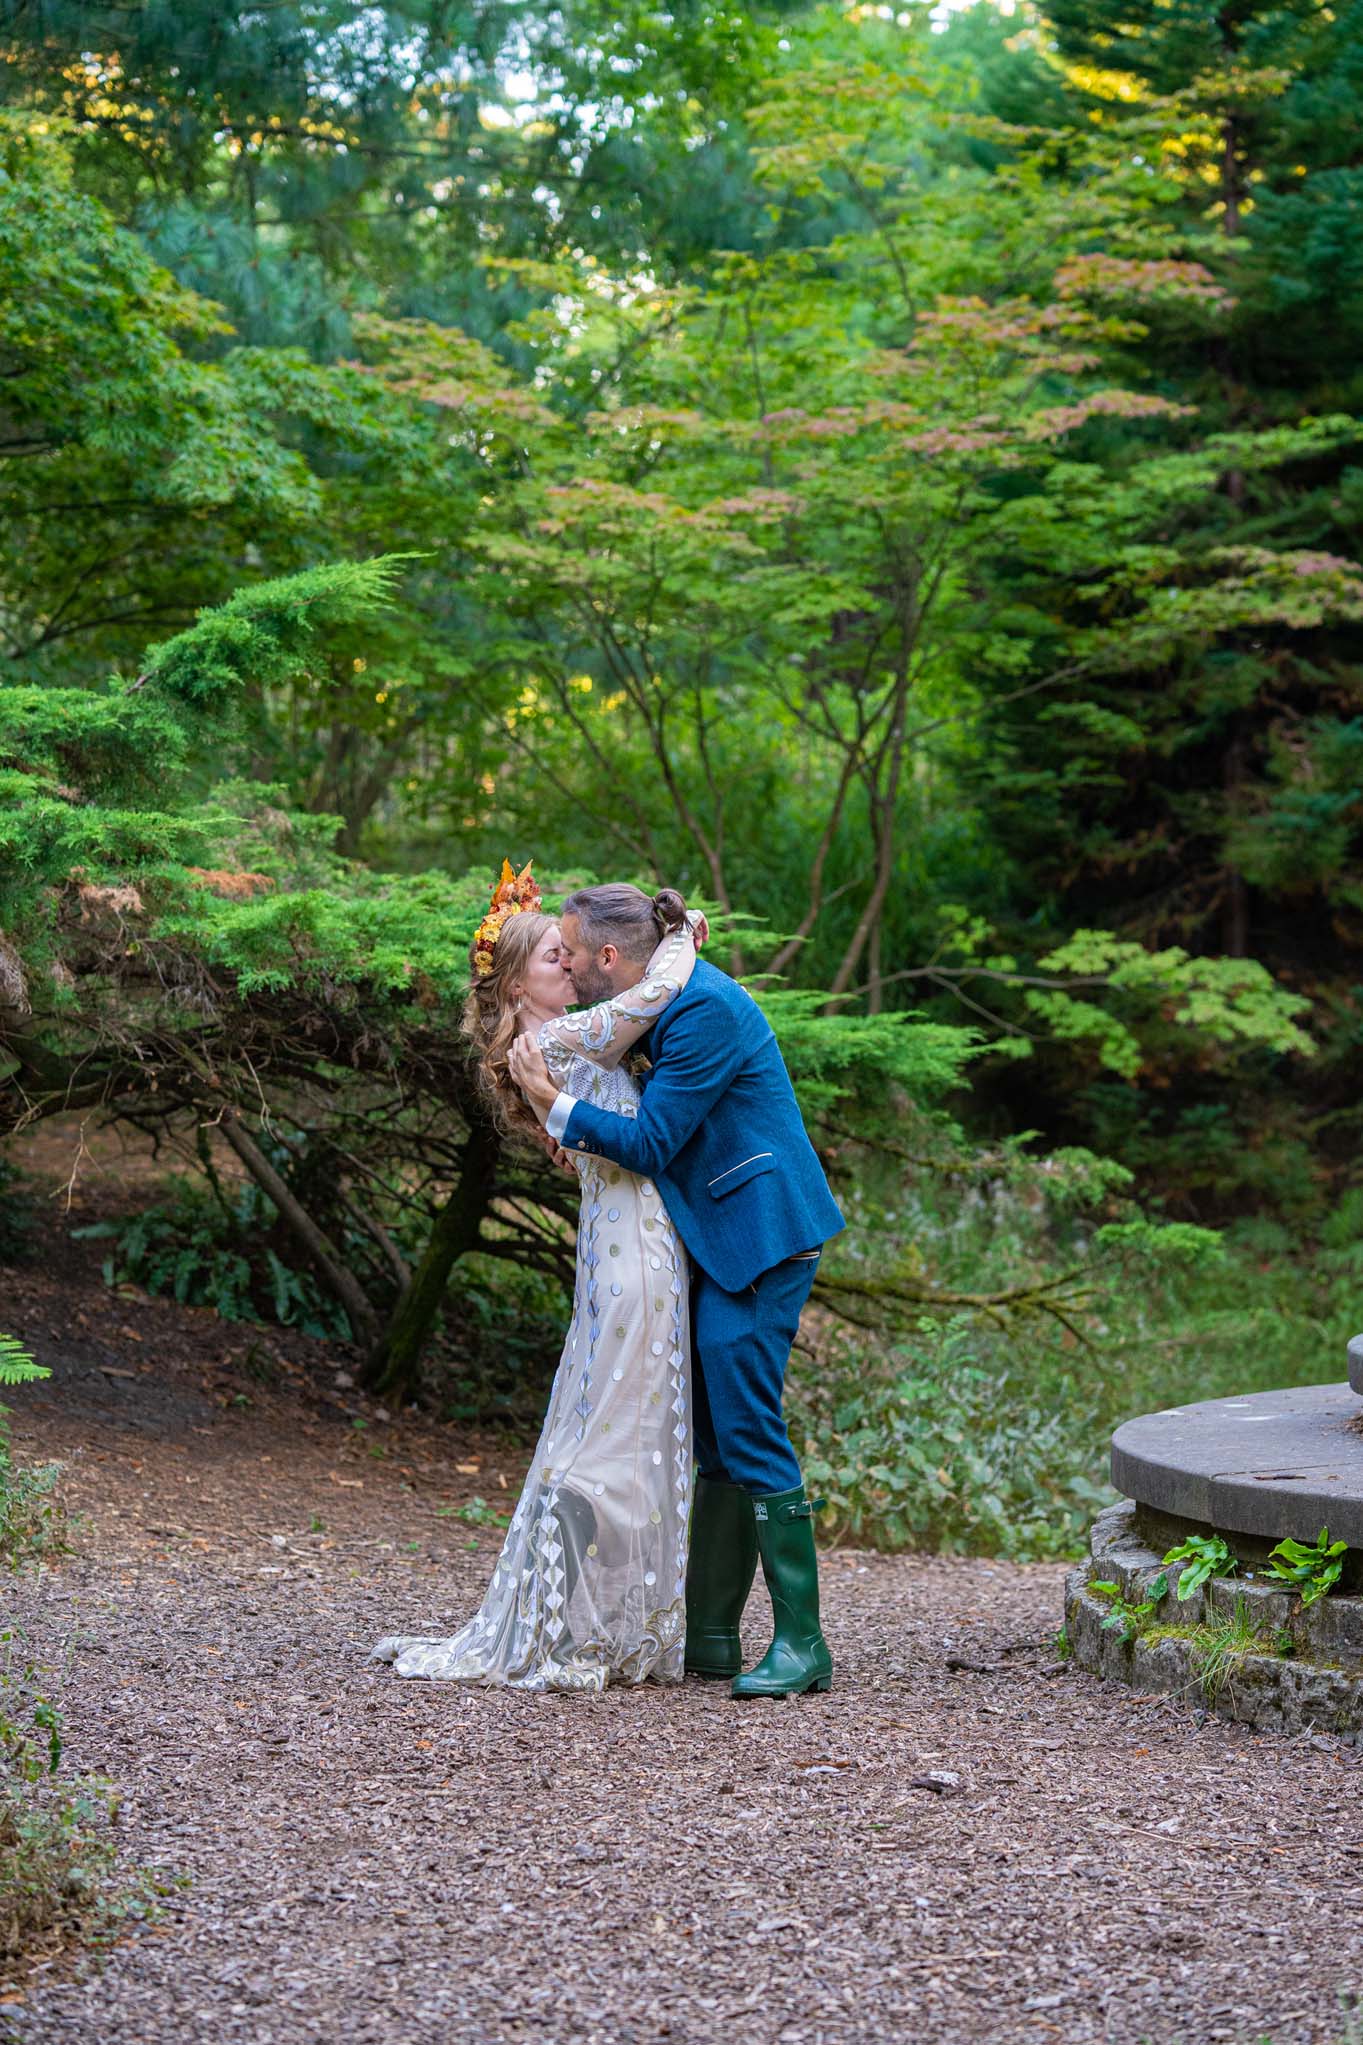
<point>474,1512</point>
<point>58,1861</point>
<point>16,1365</point>
<point>836,1059</point>
<point>385,936</point>
<point>1313,1567</point>
<point>99,783</point>
<point>1125,1616</point>
<point>133,467</point>
<point>1133,1333</point>
<point>1171,1243</point>
<point>1206,1555</point>
<point>34,1524</point>
<point>30,1743</point>
<point>937,1444</point>
<point>265,635</point>
<point>1229,999</point>
<point>1139,1002</point>
<point>205,1252</point>
<point>1220,1646</point>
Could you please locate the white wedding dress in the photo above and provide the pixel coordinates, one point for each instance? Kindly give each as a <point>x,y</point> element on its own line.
<point>590,1587</point>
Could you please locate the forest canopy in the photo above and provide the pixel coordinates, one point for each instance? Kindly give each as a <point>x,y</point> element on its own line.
<point>893,475</point>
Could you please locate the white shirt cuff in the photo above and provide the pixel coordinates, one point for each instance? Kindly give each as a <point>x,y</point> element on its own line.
<point>558,1116</point>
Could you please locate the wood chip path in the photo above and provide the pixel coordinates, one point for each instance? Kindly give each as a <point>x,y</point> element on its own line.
<point>959,1843</point>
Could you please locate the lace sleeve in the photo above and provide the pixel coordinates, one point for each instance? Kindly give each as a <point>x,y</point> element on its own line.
<point>606,1031</point>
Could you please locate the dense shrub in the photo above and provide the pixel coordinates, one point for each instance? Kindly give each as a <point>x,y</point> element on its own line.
<point>962,1433</point>
<point>33,1521</point>
<point>938,1444</point>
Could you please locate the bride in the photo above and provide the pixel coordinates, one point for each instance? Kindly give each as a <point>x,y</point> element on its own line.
<point>590,1586</point>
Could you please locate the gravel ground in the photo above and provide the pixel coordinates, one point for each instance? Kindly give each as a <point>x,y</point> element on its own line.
<point>375,1861</point>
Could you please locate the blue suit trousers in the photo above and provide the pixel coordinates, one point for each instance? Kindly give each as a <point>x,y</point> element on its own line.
<point>740,1348</point>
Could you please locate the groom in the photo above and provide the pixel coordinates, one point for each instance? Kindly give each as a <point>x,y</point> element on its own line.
<point>719,1130</point>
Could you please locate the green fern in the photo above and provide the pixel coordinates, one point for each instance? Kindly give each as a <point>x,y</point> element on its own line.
<point>16,1365</point>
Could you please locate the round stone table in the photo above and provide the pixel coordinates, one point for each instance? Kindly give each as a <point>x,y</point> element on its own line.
<point>1254,1470</point>
<point>1268,1465</point>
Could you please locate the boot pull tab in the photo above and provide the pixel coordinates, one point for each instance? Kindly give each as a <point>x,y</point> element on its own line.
<point>799,1509</point>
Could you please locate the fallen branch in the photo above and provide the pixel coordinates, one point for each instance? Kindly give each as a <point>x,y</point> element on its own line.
<point>1053,1297</point>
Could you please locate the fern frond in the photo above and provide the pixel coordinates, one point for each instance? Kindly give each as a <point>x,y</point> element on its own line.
<point>16,1365</point>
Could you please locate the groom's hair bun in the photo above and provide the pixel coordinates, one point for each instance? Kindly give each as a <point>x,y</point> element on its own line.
<point>670,907</point>
<point>616,913</point>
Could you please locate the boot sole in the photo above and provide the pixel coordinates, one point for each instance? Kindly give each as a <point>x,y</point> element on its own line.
<point>809,1689</point>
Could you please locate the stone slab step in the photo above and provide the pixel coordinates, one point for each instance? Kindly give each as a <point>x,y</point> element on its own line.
<point>1301,1669</point>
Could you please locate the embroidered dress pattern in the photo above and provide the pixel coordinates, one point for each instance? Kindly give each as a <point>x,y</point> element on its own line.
<point>590,1586</point>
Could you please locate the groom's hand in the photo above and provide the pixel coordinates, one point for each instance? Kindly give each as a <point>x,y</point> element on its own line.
<point>531,1074</point>
<point>556,1154</point>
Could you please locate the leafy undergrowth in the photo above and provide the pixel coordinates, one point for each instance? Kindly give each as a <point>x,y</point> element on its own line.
<point>33,1521</point>
<point>60,1884</point>
<point>940,1445</point>
<point>205,1249</point>
<point>970,1436</point>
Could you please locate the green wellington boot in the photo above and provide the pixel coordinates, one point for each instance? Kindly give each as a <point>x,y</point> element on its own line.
<point>798,1658</point>
<point>720,1567</point>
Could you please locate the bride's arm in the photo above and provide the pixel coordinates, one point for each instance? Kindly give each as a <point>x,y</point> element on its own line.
<point>607,1030</point>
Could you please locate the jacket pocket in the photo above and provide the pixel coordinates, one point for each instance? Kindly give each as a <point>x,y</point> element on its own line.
<point>739,1174</point>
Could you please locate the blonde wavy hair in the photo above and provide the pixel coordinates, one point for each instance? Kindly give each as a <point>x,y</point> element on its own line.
<point>489,1020</point>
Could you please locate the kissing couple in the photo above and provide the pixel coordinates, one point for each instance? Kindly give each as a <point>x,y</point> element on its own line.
<point>703,1212</point>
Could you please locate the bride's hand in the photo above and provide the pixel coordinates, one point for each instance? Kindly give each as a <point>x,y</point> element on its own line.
<point>700,928</point>
<point>525,1062</point>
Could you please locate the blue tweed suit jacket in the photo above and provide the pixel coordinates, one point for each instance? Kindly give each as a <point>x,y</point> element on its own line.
<point>720,1133</point>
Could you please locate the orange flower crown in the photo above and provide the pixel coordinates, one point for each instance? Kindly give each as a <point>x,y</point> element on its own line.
<point>513,894</point>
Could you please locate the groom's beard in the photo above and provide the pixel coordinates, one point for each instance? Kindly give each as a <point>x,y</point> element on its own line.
<point>591,984</point>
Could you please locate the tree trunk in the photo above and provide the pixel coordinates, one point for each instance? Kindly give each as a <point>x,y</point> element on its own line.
<point>393,1365</point>
<point>883,771</point>
<point>882,802</point>
<point>869,921</point>
<point>1230,179</point>
<point>1235,910</point>
<point>364,1321</point>
<point>1230,227</point>
<point>794,943</point>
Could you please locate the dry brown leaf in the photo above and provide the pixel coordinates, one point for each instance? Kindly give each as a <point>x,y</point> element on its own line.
<point>232,887</point>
